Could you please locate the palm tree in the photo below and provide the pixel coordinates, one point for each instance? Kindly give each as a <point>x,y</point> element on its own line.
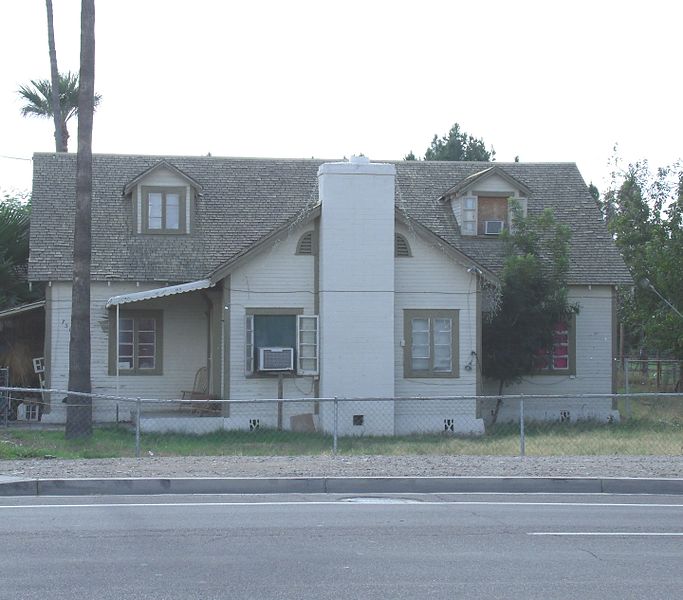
<point>79,408</point>
<point>38,94</point>
<point>60,142</point>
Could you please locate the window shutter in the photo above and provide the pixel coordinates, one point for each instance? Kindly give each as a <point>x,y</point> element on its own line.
<point>249,346</point>
<point>469,215</point>
<point>307,341</point>
<point>521,203</point>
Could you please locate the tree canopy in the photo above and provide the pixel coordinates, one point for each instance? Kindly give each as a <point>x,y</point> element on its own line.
<point>532,297</point>
<point>456,145</point>
<point>15,212</point>
<point>38,103</point>
<point>645,214</point>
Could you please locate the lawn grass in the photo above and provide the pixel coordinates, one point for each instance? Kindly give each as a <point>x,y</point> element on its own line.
<point>652,429</point>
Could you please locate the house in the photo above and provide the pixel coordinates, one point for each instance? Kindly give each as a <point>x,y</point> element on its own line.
<point>354,279</point>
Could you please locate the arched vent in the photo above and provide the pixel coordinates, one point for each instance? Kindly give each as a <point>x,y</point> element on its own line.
<point>402,249</point>
<point>305,245</point>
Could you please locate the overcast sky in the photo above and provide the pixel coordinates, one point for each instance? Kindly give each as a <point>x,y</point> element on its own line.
<point>545,81</point>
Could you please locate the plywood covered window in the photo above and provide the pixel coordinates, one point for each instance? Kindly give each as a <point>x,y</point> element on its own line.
<point>493,215</point>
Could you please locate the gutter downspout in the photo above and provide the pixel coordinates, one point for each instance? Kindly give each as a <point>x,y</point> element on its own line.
<point>223,309</point>
<point>118,307</point>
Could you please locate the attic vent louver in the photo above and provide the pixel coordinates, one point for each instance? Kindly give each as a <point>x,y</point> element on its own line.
<point>402,248</point>
<point>305,245</point>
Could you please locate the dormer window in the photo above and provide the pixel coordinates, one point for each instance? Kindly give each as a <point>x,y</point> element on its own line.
<point>163,210</point>
<point>483,203</point>
<point>162,198</point>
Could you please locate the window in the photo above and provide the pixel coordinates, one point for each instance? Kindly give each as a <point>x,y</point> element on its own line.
<point>139,348</point>
<point>492,214</point>
<point>561,357</point>
<point>282,328</point>
<point>163,210</point>
<point>489,213</point>
<point>431,343</point>
<point>401,246</point>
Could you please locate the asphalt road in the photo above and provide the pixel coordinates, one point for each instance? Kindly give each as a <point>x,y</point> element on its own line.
<point>417,547</point>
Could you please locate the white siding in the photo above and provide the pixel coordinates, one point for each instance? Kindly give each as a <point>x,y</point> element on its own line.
<point>276,278</point>
<point>494,183</point>
<point>164,177</point>
<point>593,366</point>
<point>184,347</point>
<point>432,280</point>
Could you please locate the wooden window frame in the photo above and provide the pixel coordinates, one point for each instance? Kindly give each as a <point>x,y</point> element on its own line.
<point>408,315</point>
<point>182,204</point>
<point>136,315</point>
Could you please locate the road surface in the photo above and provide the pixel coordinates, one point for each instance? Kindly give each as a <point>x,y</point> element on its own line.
<point>322,547</point>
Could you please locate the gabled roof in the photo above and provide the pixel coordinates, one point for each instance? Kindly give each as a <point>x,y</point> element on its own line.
<point>246,201</point>
<point>161,164</point>
<point>484,174</point>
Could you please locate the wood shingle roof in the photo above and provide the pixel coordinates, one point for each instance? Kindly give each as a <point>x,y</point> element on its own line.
<point>244,200</point>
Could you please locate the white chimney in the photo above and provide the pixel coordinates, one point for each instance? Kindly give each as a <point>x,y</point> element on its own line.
<point>356,285</point>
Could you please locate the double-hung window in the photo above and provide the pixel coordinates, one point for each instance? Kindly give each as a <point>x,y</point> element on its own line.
<point>139,347</point>
<point>431,343</point>
<point>163,210</point>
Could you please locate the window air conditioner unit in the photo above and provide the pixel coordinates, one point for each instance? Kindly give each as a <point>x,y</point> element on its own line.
<point>275,359</point>
<point>493,227</point>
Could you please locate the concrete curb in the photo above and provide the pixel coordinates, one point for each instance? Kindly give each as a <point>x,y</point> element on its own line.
<point>338,485</point>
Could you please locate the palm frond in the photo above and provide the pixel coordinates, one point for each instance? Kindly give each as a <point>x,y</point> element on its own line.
<point>38,97</point>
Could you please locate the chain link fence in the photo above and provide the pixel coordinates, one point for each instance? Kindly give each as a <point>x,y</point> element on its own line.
<point>650,375</point>
<point>598,424</point>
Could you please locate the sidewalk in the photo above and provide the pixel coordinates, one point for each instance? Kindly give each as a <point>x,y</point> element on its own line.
<point>338,485</point>
<point>344,474</point>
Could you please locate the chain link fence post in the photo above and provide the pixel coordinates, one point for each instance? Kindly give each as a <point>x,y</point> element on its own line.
<point>334,427</point>
<point>138,404</point>
<point>627,388</point>
<point>522,439</point>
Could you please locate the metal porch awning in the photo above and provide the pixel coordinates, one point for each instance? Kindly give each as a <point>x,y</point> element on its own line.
<point>169,290</point>
<point>10,312</point>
